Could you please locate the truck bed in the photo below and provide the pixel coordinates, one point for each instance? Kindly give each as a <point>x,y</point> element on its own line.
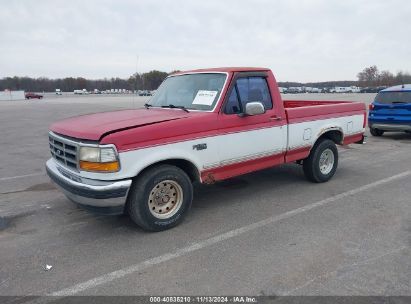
<point>308,110</point>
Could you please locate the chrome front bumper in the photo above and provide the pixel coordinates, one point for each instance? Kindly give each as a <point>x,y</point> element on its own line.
<point>89,192</point>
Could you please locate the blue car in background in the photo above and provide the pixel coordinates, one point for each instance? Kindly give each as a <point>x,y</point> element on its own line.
<point>391,111</point>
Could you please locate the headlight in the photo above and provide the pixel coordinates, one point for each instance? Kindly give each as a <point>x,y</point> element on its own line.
<point>91,154</point>
<point>98,159</point>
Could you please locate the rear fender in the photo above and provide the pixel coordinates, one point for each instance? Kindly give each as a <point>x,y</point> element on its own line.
<point>335,133</point>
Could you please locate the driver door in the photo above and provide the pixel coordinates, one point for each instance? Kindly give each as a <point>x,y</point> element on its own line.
<point>248,142</point>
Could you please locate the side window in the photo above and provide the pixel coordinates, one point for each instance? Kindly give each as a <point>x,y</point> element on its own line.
<point>233,104</point>
<point>254,89</point>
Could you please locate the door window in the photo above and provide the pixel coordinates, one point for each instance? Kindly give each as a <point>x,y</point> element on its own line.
<point>248,89</point>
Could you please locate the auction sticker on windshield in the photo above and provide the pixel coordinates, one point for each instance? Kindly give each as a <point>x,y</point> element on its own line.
<point>204,97</point>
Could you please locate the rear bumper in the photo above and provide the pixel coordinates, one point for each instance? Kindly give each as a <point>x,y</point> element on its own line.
<point>390,127</point>
<point>110,195</point>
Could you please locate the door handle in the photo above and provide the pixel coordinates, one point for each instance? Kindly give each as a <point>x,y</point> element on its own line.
<point>275,118</point>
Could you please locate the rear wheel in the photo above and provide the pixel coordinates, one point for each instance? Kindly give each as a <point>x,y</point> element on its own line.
<point>321,164</point>
<point>376,132</point>
<point>160,198</point>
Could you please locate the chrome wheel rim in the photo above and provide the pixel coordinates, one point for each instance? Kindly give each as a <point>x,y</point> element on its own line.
<point>326,161</point>
<point>165,199</point>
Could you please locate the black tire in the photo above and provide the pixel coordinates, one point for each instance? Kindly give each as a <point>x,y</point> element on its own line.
<point>139,203</point>
<point>376,132</point>
<point>311,165</point>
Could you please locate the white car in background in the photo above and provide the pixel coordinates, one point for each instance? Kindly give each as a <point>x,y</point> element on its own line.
<point>355,89</point>
<point>351,89</point>
<point>81,92</point>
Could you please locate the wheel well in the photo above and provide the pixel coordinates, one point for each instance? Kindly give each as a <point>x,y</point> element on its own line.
<point>335,135</point>
<point>189,168</point>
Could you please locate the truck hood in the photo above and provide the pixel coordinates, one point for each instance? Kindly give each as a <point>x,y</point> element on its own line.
<point>95,126</point>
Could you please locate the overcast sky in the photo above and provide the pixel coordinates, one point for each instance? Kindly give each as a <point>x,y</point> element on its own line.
<point>312,40</point>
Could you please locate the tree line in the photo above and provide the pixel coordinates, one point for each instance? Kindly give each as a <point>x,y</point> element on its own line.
<point>369,77</point>
<point>372,77</point>
<point>138,81</point>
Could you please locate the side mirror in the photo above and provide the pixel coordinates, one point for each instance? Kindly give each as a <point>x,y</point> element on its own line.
<point>254,108</point>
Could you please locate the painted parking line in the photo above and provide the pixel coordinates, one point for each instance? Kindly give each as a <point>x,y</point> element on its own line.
<point>112,276</point>
<point>20,176</point>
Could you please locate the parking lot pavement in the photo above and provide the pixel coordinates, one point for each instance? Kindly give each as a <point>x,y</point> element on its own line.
<point>24,142</point>
<point>265,233</point>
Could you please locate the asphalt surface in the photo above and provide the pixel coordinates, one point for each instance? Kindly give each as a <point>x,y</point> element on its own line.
<point>265,233</point>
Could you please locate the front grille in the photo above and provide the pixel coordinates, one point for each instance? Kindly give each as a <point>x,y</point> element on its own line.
<point>64,151</point>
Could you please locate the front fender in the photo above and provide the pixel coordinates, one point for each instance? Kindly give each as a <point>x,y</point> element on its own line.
<point>133,162</point>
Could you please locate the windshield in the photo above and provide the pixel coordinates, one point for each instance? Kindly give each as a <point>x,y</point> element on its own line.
<point>192,91</point>
<point>393,97</point>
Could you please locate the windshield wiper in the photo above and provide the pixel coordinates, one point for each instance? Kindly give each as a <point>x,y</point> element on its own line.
<point>146,105</point>
<point>171,106</point>
<point>398,102</point>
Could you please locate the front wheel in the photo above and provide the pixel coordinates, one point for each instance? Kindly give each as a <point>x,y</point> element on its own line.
<point>160,198</point>
<point>321,164</point>
<point>376,132</point>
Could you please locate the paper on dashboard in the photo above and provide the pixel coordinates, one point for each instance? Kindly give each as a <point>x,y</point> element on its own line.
<point>204,97</point>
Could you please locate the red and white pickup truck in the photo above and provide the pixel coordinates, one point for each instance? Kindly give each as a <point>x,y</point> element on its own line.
<point>200,126</point>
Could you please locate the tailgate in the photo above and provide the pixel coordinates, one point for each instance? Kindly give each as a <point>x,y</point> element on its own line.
<point>395,113</point>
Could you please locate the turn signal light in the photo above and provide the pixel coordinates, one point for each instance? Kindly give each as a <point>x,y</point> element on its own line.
<point>371,106</point>
<point>100,167</point>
